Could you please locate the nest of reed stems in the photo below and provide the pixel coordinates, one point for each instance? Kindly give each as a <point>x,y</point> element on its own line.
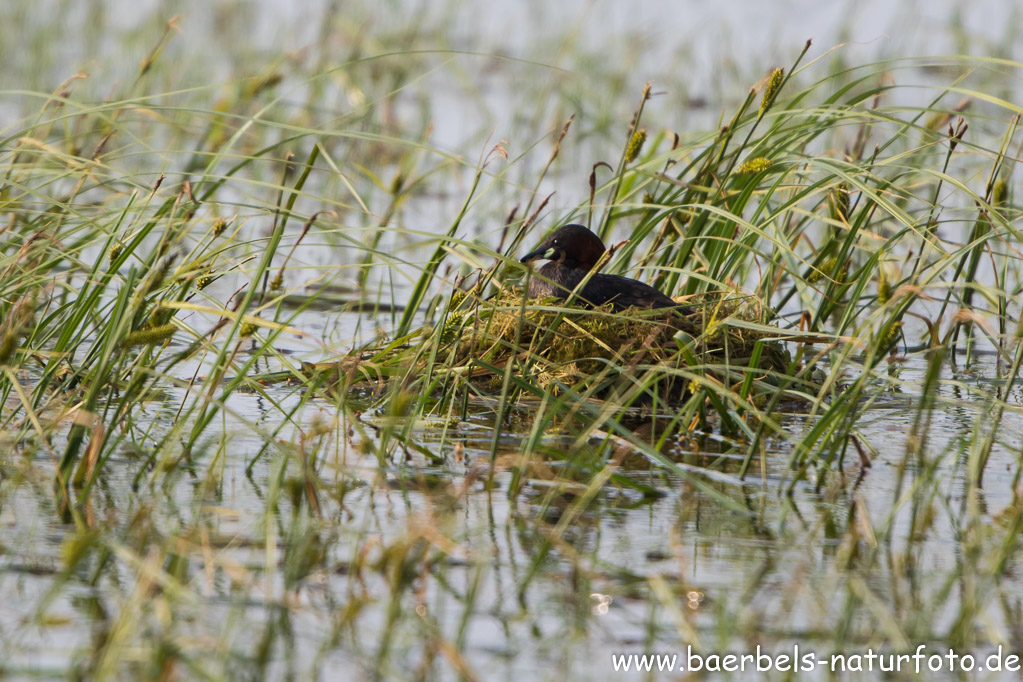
<point>629,355</point>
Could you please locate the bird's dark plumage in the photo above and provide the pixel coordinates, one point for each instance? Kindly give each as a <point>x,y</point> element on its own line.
<point>573,251</point>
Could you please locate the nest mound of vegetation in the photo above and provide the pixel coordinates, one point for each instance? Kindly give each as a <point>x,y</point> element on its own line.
<point>565,346</point>
<point>596,352</point>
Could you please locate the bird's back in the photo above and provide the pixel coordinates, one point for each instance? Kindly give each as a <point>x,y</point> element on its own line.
<point>621,292</point>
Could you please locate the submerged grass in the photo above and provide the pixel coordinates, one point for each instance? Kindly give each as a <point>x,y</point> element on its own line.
<point>154,247</point>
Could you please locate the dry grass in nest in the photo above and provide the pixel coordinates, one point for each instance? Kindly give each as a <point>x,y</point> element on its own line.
<point>553,347</point>
<point>568,345</point>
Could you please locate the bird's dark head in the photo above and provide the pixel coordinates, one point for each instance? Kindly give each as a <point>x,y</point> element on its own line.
<point>573,245</point>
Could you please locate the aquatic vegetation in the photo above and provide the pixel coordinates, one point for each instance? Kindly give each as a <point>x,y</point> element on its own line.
<point>598,352</point>
<point>273,403</point>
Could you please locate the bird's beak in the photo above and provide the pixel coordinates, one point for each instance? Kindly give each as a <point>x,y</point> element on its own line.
<point>539,254</point>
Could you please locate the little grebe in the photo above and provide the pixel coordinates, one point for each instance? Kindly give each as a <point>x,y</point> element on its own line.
<point>573,251</point>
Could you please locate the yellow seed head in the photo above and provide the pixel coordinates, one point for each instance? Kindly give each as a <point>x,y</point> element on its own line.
<point>115,250</point>
<point>248,329</point>
<point>894,332</point>
<point>203,282</point>
<point>824,270</point>
<point>150,336</point>
<point>635,145</point>
<point>219,227</point>
<point>842,276</point>
<point>277,283</point>
<point>753,166</point>
<point>771,91</point>
<point>884,287</point>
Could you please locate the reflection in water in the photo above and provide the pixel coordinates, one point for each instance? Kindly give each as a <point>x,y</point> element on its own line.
<point>344,562</point>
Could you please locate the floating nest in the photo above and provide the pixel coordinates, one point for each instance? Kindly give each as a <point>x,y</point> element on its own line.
<point>543,347</point>
<point>566,347</point>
